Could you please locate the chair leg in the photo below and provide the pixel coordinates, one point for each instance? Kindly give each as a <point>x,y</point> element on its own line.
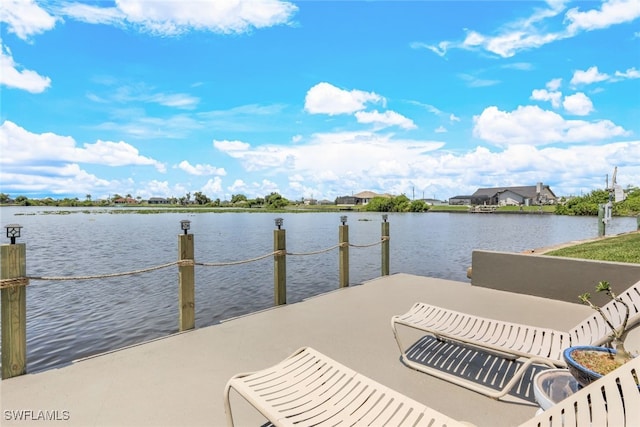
<point>227,406</point>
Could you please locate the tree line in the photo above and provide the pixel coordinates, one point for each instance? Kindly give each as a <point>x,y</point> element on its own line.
<point>271,201</point>
<point>588,204</point>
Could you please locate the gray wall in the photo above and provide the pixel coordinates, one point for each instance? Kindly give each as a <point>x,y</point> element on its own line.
<point>549,276</point>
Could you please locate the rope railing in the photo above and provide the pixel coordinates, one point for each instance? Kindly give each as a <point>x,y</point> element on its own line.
<point>14,280</point>
<point>23,281</point>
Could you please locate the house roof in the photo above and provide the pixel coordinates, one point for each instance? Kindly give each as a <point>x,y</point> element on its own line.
<point>366,195</point>
<point>528,191</point>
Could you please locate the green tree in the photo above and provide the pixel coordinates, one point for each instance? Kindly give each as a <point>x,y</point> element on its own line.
<point>275,201</point>
<point>201,199</point>
<point>237,198</point>
<point>418,206</point>
<point>22,201</point>
<point>4,198</point>
<point>380,204</point>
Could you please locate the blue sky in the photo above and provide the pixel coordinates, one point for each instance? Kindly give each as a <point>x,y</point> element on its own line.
<point>316,99</point>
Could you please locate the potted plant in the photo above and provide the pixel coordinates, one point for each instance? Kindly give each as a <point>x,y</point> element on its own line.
<point>588,363</point>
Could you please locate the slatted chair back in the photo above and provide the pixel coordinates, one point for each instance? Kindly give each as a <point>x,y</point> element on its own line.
<point>595,331</point>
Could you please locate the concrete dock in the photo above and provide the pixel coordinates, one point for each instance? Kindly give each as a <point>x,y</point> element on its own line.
<point>179,380</point>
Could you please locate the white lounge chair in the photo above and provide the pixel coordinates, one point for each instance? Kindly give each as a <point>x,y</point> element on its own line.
<point>532,344</point>
<point>309,389</point>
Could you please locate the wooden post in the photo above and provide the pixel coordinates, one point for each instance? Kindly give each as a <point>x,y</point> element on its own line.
<point>280,264</point>
<point>601,224</point>
<point>385,246</point>
<point>186,283</point>
<point>343,239</point>
<point>14,311</point>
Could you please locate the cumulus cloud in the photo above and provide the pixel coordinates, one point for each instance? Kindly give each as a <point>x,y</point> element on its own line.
<point>578,104</point>
<point>611,13</point>
<point>545,95</point>
<point>534,126</point>
<point>21,147</point>
<point>631,73</point>
<point>200,170</point>
<point>230,146</point>
<point>25,18</point>
<point>592,75</point>
<point>175,17</point>
<point>13,75</point>
<point>213,186</point>
<point>324,98</point>
<point>332,154</point>
<point>382,120</point>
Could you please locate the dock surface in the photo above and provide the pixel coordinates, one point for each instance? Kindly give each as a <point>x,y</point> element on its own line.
<point>179,380</point>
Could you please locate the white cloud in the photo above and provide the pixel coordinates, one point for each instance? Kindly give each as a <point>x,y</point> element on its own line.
<point>93,14</point>
<point>592,75</point>
<point>554,84</point>
<point>332,154</point>
<point>382,120</point>
<point>631,73</point>
<point>545,95</point>
<point>25,18</point>
<point>38,179</point>
<point>21,147</point>
<point>578,104</point>
<point>213,186</point>
<point>453,118</point>
<point>533,126</point>
<point>200,170</point>
<point>12,75</point>
<point>532,32</point>
<point>179,100</point>
<point>324,98</point>
<point>440,129</point>
<point>175,17</point>
<point>612,12</point>
<point>238,186</point>
<point>230,146</point>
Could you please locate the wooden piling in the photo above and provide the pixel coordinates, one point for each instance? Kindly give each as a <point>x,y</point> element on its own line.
<point>601,220</point>
<point>14,311</point>
<point>343,239</point>
<point>385,248</point>
<point>280,267</point>
<point>186,283</point>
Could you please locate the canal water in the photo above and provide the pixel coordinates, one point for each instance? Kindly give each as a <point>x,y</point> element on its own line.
<point>68,320</point>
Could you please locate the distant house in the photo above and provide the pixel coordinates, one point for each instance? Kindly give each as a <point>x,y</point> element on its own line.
<point>468,200</point>
<point>362,198</point>
<point>158,201</point>
<point>528,195</point>
<point>125,201</point>
<point>434,202</point>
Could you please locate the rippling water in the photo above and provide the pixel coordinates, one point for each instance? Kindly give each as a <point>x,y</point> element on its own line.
<point>67,320</point>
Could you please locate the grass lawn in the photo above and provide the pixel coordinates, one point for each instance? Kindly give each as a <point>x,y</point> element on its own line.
<point>623,248</point>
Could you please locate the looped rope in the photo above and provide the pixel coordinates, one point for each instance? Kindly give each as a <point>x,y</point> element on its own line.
<point>23,281</point>
<point>104,276</point>
<point>16,281</point>
<point>383,239</point>
<point>222,264</point>
<point>314,252</point>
